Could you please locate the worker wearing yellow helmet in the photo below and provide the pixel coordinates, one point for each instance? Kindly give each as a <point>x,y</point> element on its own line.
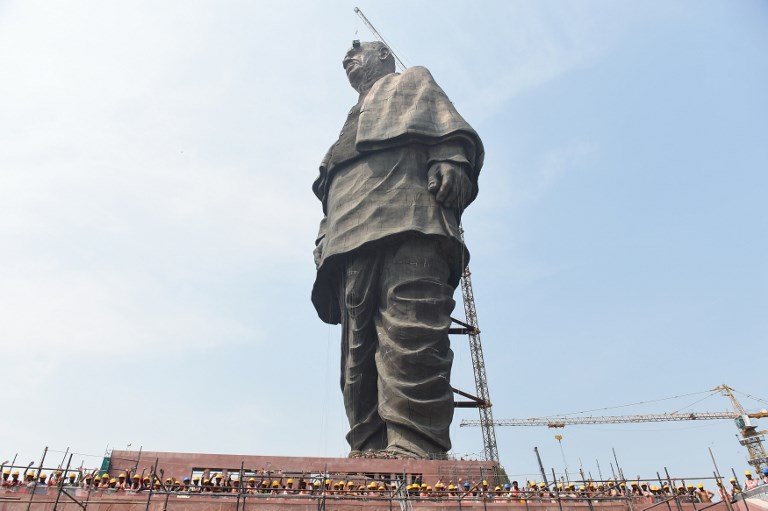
<point>250,486</point>
<point>723,492</point>
<point>14,481</point>
<point>121,482</point>
<point>6,476</point>
<point>750,482</point>
<point>702,494</point>
<point>195,486</point>
<point>71,480</point>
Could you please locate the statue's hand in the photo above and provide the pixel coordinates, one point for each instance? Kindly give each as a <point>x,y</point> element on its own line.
<point>450,184</point>
<point>318,253</point>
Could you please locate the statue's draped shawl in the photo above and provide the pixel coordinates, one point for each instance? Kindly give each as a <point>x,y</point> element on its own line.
<point>412,108</point>
<point>404,109</point>
<point>405,121</point>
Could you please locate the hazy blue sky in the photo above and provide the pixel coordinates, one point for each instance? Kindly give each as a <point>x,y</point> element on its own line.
<point>157,221</point>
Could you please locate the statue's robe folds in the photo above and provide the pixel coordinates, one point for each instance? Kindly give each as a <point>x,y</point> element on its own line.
<point>381,218</point>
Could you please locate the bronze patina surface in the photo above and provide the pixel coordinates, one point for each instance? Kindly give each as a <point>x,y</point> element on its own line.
<point>389,253</point>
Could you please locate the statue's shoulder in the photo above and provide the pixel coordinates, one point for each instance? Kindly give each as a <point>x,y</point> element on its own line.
<point>412,75</point>
<point>418,70</point>
<point>417,73</point>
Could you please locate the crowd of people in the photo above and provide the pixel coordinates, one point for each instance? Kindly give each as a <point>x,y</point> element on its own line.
<point>221,484</point>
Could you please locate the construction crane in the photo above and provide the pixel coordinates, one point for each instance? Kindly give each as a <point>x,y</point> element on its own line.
<point>561,422</point>
<point>482,401</point>
<point>750,437</point>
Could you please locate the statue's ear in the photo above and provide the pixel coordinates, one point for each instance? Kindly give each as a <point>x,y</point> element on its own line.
<point>384,53</point>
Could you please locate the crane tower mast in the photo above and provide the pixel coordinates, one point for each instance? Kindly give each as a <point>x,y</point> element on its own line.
<point>750,437</point>
<point>478,366</point>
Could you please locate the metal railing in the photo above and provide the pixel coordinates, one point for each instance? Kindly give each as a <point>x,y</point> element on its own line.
<point>318,488</point>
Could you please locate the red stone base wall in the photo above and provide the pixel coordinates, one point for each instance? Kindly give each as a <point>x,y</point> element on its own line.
<point>161,502</point>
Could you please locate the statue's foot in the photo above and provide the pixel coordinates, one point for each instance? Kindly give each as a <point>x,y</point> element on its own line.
<point>355,454</point>
<point>394,453</point>
<point>402,453</point>
<point>384,454</point>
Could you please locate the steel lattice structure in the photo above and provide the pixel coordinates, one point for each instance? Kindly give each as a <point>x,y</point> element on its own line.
<point>478,366</point>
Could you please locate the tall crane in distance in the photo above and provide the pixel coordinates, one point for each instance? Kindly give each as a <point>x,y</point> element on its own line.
<point>750,437</point>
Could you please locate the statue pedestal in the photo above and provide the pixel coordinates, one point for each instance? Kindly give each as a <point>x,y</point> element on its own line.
<point>179,465</point>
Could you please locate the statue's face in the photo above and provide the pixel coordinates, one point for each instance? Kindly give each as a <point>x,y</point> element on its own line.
<point>363,65</point>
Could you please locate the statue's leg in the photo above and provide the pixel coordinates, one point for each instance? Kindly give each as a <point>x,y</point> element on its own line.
<point>414,356</point>
<point>359,301</point>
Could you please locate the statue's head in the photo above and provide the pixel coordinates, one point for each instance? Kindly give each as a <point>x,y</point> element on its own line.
<point>367,62</point>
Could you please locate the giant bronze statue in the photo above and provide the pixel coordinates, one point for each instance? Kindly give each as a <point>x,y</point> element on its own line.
<point>389,254</point>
